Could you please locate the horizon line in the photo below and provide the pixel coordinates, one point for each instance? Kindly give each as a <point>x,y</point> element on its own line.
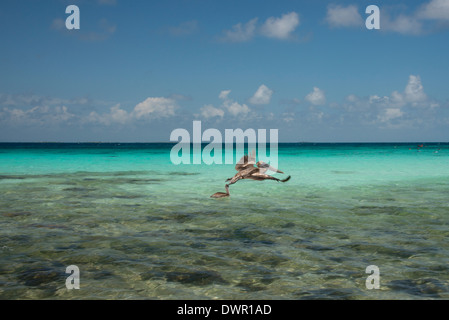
<point>174,142</point>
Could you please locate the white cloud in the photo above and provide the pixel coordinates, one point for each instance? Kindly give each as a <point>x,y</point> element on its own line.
<point>150,108</point>
<point>119,115</point>
<point>241,33</point>
<point>209,111</point>
<point>315,114</point>
<point>287,116</point>
<point>224,94</point>
<point>352,98</point>
<point>397,99</point>
<point>413,94</point>
<point>235,108</point>
<point>339,16</point>
<point>155,107</point>
<point>422,20</point>
<point>407,108</point>
<point>37,115</point>
<point>316,97</point>
<point>414,91</point>
<point>280,28</point>
<point>27,100</point>
<point>375,99</point>
<point>231,106</point>
<point>401,24</point>
<point>262,95</point>
<point>115,116</point>
<point>389,114</point>
<point>62,114</point>
<point>95,117</point>
<point>228,106</point>
<point>435,9</point>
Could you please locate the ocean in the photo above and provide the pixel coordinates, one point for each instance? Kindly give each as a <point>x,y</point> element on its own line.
<point>139,227</point>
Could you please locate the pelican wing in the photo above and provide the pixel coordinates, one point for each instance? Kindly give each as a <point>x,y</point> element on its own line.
<point>252,157</point>
<point>264,167</point>
<point>242,163</point>
<point>246,161</point>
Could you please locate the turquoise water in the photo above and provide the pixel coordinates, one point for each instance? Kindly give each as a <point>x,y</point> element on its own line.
<point>139,227</point>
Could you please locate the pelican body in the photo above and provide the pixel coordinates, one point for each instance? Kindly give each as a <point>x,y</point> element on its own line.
<point>247,170</point>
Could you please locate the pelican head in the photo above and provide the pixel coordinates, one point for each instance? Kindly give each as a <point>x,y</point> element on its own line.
<point>221,194</point>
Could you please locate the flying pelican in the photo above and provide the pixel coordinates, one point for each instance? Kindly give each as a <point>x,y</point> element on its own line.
<point>247,170</point>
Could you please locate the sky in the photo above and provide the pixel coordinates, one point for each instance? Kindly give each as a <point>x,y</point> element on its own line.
<point>136,70</point>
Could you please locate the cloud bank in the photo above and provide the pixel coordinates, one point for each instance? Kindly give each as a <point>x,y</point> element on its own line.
<point>262,95</point>
<point>427,18</point>
<point>408,109</point>
<point>339,16</point>
<point>281,28</point>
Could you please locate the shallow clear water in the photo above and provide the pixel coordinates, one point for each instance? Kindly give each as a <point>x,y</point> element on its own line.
<point>139,227</point>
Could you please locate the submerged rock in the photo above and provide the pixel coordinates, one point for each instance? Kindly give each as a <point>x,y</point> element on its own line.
<point>40,276</point>
<point>180,173</point>
<point>12,177</point>
<point>195,277</point>
<point>251,285</point>
<point>48,226</point>
<point>16,214</point>
<point>421,287</point>
<point>79,189</point>
<point>131,196</point>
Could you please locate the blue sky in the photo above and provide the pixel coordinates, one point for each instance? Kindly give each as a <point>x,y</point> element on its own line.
<point>136,70</point>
